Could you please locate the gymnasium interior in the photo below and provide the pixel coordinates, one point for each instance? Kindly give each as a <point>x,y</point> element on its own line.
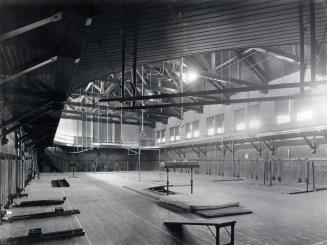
<point>163,122</point>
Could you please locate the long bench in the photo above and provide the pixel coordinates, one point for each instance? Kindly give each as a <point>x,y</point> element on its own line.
<point>217,225</point>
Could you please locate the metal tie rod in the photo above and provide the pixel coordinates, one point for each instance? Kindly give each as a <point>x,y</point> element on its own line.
<point>52,59</point>
<point>21,30</point>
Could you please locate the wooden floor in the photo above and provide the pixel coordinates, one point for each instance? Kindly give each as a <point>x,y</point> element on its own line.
<point>114,214</point>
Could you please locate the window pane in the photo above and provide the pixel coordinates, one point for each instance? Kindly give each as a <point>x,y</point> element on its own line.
<point>210,126</point>
<point>253,112</point>
<point>188,128</point>
<point>239,115</point>
<point>283,111</point>
<point>219,124</point>
<point>283,107</point>
<point>240,126</point>
<point>283,119</point>
<point>304,110</point>
<point>177,136</point>
<point>240,119</point>
<point>196,129</point>
<point>163,136</point>
<point>304,115</point>
<point>172,134</point>
<point>253,124</point>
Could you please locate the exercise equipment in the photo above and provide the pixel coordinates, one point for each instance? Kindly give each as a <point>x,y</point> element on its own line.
<point>12,196</point>
<point>160,189</point>
<point>40,203</point>
<point>36,235</point>
<point>60,183</point>
<point>195,202</point>
<point>222,212</point>
<point>73,167</point>
<point>231,224</point>
<point>56,213</point>
<point>307,179</point>
<point>233,179</point>
<point>179,164</point>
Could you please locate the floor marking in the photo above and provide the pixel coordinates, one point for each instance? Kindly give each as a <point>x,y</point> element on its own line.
<point>319,243</point>
<point>77,220</point>
<point>154,226</point>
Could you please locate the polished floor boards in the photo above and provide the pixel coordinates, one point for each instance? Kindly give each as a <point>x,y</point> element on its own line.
<point>114,214</point>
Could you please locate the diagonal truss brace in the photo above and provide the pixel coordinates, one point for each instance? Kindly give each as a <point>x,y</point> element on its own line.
<point>313,145</point>
<point>258,148</point>
<point>270,146</point>
<point>32,68</point>
<point>21,30</point>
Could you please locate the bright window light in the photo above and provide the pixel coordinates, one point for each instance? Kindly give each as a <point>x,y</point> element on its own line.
<point>254,124</point>
<point>196,133</point>
<point>189,135</point>
<point>304,115</point>
<point>211,131</point>
<point>240,126</point>
<point>172,138</point>
<point>163,140</point>
<point>283,119</point>
<point>159,141</point>
<point>178,137</point>
<point>220,130</point>
<point>190,76</point>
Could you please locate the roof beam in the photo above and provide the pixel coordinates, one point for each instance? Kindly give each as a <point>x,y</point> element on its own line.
<point>223,79</point>
<point>42,108</point>
<point>219,91</point>
<point>256,69</point>
<point>25,71</point>
<point>223,101</point>
<point>280,54</point>
<point>21,30</point>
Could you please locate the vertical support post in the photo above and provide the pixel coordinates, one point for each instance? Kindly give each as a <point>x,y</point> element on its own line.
<point>233,163</point>
<point>191,180</point>
<point>313,39</point>
<point>123,62</point>
<point>313,176</point>
<point>139,163</point>
<point>307,179</point>
<point>167,181</point>
<point>217,235</point>
<point>270,172</point>
<point>238,168</point>
<point>134,62</point>
<point>264,172</point>
<point>232,234</point>
<point>223,163</point>
<point>142,111</point>
<point>181,85</point>
<point>302,65</point>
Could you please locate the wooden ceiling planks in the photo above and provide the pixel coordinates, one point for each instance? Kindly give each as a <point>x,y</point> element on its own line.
<point>173,30</point>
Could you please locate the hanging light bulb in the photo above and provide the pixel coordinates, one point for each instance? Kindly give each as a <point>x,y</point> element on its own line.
<point>190,76</point>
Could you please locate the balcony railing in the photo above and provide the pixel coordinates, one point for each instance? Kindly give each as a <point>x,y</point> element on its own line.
<point>78,141</point>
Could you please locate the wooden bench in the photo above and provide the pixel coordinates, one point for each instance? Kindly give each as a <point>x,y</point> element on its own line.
<point>230,224</point>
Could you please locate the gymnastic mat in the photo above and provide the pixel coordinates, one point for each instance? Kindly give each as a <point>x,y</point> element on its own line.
<point>197,202</point>
<point>221,212</point>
